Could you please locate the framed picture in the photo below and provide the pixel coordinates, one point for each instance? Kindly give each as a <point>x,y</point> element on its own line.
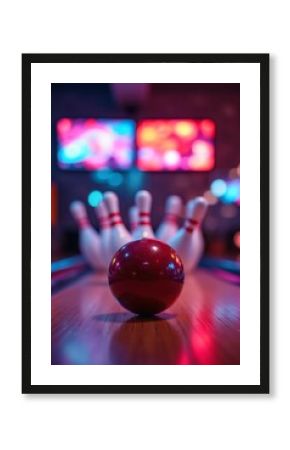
<point>145,223</point>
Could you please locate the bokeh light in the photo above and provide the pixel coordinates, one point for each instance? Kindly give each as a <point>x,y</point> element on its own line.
<point>94,198</point>
<point>92,144</point>
<point>115,179</point>
<point>134,180</point>
<point>64,126</point>
<point>202,155</point>
<point>236,239</point>
<point>233,173</point>
<point>102,174</point>
<point>218,187</point>
<point>210,198</point>
<point>186,128</point>
<point>207,127</point>
<point>232,193</point>
<point>175,144</point>
<point>171,159</point>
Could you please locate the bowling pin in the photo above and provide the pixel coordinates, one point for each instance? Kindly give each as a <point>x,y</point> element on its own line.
<point>169,224</point>
<point>89,240</point>
<point>186,240</point>
<point>105,231</point>
<point>133,217</point>
<point>143,201</point>
<point>119,234</point>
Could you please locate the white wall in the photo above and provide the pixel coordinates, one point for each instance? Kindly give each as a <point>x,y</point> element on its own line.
<point>203,422</point>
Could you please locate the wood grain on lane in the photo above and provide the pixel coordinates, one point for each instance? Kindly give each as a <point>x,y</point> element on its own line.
<point>202,327</point>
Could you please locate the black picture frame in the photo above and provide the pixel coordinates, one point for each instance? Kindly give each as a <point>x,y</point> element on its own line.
<point>263,61</point>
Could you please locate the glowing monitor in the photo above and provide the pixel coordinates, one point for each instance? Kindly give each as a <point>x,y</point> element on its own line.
<point>93,144</point>
<point>176,144</point>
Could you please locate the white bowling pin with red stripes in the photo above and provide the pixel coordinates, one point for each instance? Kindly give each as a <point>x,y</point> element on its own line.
<point>119,234</point>
<point>169,224</point>
<point>105,230</point>
<point>89,240</point>
<point>143,201</point>
<point>186,240</point>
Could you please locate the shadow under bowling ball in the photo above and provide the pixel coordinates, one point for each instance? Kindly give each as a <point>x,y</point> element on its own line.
<point>149,340</point>
<point>126,316</point>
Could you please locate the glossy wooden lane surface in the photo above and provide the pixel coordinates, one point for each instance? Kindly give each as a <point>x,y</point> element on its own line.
<point>202,327</point>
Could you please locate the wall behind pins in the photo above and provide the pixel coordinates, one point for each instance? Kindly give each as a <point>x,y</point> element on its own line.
<point>221,102</point>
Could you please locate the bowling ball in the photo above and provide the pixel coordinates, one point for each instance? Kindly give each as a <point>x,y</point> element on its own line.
<point>146,276</point>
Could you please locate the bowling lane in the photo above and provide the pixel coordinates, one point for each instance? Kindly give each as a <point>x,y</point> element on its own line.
<point>202,327</point>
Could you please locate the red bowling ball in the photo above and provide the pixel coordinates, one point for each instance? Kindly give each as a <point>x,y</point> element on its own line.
<point>146,276</point>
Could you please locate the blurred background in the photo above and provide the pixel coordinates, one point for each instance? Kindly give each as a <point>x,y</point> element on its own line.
<point>179,139</point>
